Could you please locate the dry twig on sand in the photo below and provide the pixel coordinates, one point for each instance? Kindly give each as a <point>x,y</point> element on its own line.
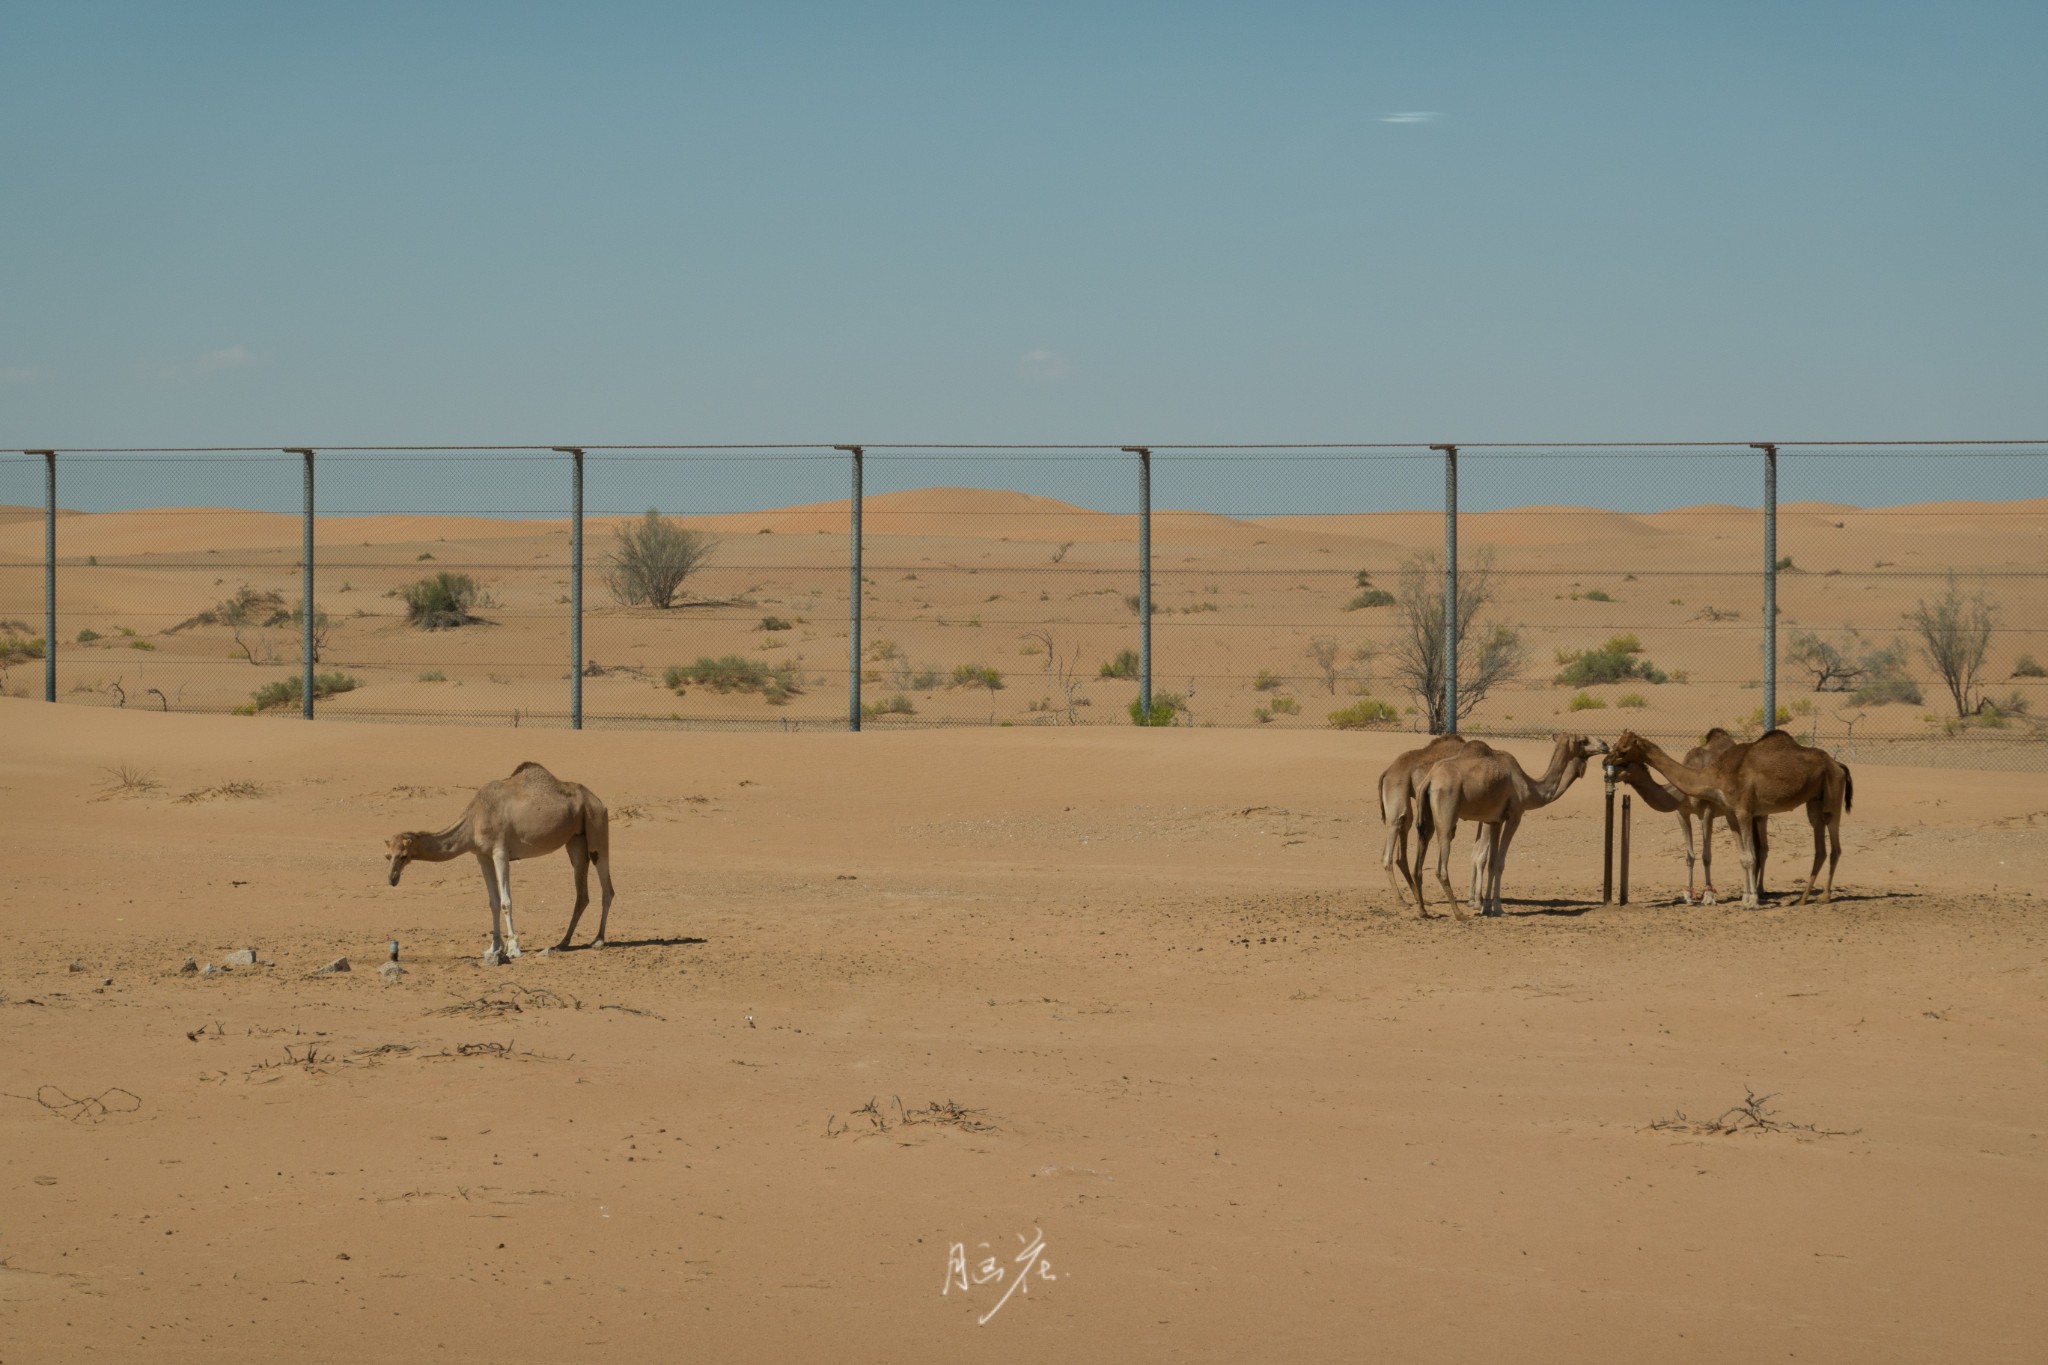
<point>89,1109</point>
<point>1750,1116</point>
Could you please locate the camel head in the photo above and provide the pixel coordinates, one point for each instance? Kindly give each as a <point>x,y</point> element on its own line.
<point>1629,747</point>
<point>1580,749</point>
<point>398,850</point>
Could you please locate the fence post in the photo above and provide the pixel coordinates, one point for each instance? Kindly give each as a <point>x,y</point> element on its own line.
<point>575,585</point>
<point>1144,454</point>
<point>1770,451</point>
<point>306,590</point>
<point>853,607</point>
<point>49,571</point>
<point>1450,726</point>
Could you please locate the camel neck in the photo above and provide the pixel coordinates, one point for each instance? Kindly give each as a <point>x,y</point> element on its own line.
<point>449,843</point>
<point>1559,776</point>
<point>1656,795</point>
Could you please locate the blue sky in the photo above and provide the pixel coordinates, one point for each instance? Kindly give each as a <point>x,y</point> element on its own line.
<point>382,223</point>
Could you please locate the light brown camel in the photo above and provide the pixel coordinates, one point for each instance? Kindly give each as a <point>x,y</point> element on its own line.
<point>525,815</point>
<point>1751,781</point>
<point>1666,799</point>
<point>1493,792</point>
<point>1401,789</point>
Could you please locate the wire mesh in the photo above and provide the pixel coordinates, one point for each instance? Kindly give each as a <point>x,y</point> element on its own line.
<point>1620,586</point>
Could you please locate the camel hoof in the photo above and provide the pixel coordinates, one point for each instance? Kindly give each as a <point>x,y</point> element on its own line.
<point>494,957</point>
<point>1708,899</point>
<point>597,943</point>
<point>511,947</point>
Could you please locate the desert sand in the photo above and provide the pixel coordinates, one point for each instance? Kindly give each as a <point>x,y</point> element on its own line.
<point>966,583</point>
<point>1144,995</point>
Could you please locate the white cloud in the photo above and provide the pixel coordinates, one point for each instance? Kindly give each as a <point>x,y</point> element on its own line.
<point>1043,364</point>
<point>1419,116</point>
<point>23,374</point>
<point>226,358</point>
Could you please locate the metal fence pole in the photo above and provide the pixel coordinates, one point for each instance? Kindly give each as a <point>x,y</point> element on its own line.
<point>1144,454</point>
<point>853,607</point>
<point>575,585</point>
<point>1770,583</point>
<point>306,590</point>
<point>1450,726</point>
<point>49,571</point>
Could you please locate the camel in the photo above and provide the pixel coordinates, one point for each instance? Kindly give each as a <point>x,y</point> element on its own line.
<point>1751,781</point>
<point>525,815</point>
<point>1667,799</point>
<point>1493,792</point>
<point>1401,790</point>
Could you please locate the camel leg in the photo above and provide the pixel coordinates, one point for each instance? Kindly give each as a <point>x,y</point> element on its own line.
<point>1482,859</point>
<point>1763,853</point>
<point>1707,857</point>
<point>1503,834</point>
<point>604,881</point>
<point>1834,821</point>
<point>1422,837</point>
<point>1685,827</point>
<point>501,861</point>
<point>1745,849</point>
<point>1443,862</point>
<point>579,863</point>
<point>494,956</point>
<point>1395,854</point>
<point>1817,816</point>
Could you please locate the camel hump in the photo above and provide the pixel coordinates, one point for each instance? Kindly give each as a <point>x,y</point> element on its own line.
<point>530,764</point>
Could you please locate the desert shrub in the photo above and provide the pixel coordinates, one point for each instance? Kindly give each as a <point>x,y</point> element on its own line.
<point>1363,714</point>
<point>1166,709</point>
<point>2025,667</point>
<point>88,635</point>
<point>1751,725</point>
<point>923,679</point>
<point>776,683</point>
<point>290,691</point>
<point>144,645</point>
<point>433,675</point>
<point>977,675</point>
<point>651,557</point>
<point>898,705</point>
<point>1612,662</point>
<point>1631,700</point>
<point>1131,603</point>
<point>1371,597</point>
<point>1266,682</point>
<point>1954,635</point>
<point>15,648</point>
<point>1887,687</point>
<point>441,602</point>
<point>775,623</point>
<point>1586,701</point>
<point>1597,595</point>
<point>1490,653</point>
<point>1285,706</point>
<point>1124,665</point>
<point>1785,564</point>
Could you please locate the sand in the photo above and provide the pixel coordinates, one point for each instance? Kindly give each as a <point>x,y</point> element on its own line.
<point>961,582</point>
<point>1173,1020</point>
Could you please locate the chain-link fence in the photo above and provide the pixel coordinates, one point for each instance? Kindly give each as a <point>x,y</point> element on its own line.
<point>1597,588</point>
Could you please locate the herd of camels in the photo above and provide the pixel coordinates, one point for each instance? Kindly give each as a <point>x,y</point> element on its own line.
<point>1431,789</point>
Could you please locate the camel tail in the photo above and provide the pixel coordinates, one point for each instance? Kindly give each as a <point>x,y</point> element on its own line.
<point>1425,821</point>
<point>1848,790</point>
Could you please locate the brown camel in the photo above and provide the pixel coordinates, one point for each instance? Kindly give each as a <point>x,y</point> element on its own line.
<point>1751,781</point>
<point>1493,792</point>
<point>525,815</point>
<point>1401,789</point>
<point>1666,799</point>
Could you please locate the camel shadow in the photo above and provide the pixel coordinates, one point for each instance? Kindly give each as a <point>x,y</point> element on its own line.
<point>616,943</point>
<point>1561,909</point>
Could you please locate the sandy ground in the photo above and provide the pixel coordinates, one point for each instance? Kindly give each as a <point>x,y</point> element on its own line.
<point>1170,1015</point>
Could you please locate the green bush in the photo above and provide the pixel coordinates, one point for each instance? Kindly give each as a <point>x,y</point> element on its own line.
<point>776,683</point>
<point>290,691</point>
<point>898,705</point>
<point>1363,714</point>
<point>1265,681</point>
<point>651,557</point>
<point>977,675</point>
<point>1166,709</point>
<point>1598,595</point>
<point>1887,687</point>
<point>441,602</point>
<point>775,623</point>
<point>1124,665</point>
<point>1285,706</point>
<point>2025,667</point>
<point>1586,701</point>
<point>88,635</point>
<point>1631,701</point>
<point>1612,662</point>
<point>1371,597</point>
<point>15,648</point>
<point>433,675</point>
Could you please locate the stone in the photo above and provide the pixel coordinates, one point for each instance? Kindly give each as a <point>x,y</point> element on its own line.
<point>241,957</point>
<point>191,968</point>
<point>390,971</point>
<point>210,970</point>
<point>77,966</point>
<point>340,964</point>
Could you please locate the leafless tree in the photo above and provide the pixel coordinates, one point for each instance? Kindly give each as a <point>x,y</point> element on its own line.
<point>1955,634</point>
<point>1489,652</point>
